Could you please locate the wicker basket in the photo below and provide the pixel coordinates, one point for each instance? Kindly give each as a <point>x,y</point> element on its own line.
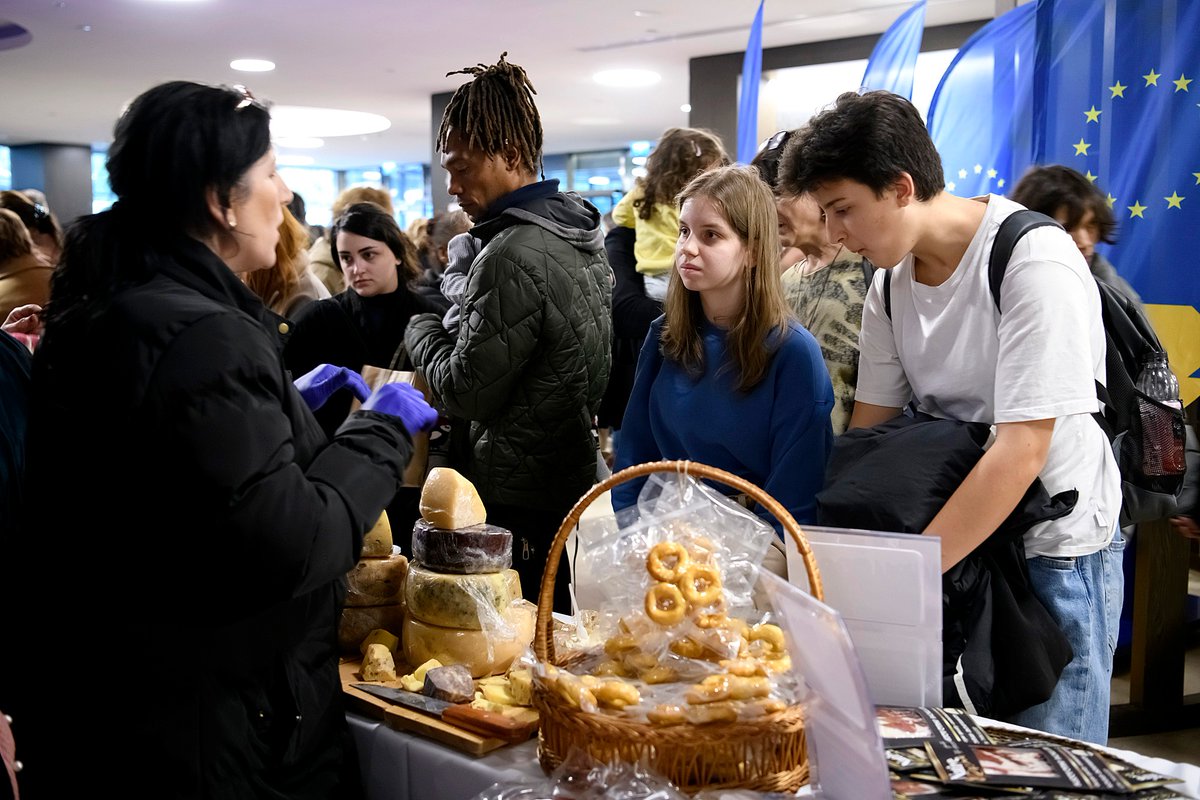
<point>765,754</point>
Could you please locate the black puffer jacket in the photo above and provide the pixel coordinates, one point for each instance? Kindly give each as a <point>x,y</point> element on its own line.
<point>531,359</point>
<point>196,524</point>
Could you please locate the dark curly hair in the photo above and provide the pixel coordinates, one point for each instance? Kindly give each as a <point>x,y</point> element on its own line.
<point>495,110</point>
<point>372,222</point>
<point>1050,188</point>
<point>869,138</point>
<point>680,155</point>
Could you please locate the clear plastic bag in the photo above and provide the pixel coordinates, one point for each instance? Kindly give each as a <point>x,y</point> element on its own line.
<point>581,777</point>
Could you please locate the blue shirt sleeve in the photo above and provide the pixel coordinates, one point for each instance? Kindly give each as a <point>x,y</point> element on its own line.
<point>636,443</point>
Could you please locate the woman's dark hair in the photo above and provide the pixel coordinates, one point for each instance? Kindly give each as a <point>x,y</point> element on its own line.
<point>1050,188</point>
<point>372,222</point>
<point>175,144</point>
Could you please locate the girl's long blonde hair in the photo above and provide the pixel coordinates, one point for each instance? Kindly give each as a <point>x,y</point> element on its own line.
<point>276,285</point>
<point>748,205</point>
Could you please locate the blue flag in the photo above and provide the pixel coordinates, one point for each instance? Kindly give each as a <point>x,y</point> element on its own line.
<point>747,144</point>
<point>1117,97</point>
<point>980,117</point>
<point>893,62</point>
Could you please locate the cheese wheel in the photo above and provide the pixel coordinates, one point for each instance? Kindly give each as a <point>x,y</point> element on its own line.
<point>470,602</point>
<point>377,581</point>
<point>378,664</point>
<point>476,650</point>
<point>478,548</point>
<point>378,541</point>
<point>379,636</point>
<point>449,501</point>
<point>357,623</point>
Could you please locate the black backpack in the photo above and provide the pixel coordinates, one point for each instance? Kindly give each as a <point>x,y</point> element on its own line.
<point>1128,337</point>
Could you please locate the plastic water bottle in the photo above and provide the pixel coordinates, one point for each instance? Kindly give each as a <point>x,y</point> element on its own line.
<point>1162,427</point>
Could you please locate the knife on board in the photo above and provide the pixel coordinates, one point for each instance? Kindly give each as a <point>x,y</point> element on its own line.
<point>462,715</point>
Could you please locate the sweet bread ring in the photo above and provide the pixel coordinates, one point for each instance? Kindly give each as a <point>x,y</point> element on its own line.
<point>667,561</point>
<point>712,712</point>
<point>666,714</point>
<point>615,694</point>
<point>772,635</point>
<point>665,604</point>
<point>701,585</point>
<point>710,690</point>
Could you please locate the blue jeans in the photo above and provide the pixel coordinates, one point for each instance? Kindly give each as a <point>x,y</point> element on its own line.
<point>1084,597</point>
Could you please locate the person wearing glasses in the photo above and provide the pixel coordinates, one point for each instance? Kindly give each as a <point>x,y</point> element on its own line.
<point>189,524</point>
<point>826,286</point>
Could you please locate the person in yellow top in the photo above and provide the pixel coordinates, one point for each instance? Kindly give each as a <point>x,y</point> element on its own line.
<point>650,207</point>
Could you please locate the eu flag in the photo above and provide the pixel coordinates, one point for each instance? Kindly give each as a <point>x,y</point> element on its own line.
<point>979,117</point>
<point>893,60</point>
<point>1116,97</point>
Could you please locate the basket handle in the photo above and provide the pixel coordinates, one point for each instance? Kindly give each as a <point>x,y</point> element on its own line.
<point>543,642</point>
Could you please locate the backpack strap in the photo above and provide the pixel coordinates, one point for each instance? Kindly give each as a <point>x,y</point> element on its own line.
<point>1011,230</point>
<point>887,292</point>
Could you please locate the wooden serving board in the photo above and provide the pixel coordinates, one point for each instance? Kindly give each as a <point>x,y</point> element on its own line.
<point>407,719</point>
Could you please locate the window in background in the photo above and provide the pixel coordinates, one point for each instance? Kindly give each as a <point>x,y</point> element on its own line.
<point>102,193</point>
<point>599,176</point>
<point>790,97</point>
<point>318,187</point>
<point>5,169</point>
<point>409,187</point>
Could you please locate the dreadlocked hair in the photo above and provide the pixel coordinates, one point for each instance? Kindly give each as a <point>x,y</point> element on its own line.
<point>495,111</point>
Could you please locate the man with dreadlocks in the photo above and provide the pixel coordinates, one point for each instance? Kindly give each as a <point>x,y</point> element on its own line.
<point>528,367</point>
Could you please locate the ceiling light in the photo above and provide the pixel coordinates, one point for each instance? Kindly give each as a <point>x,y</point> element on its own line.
<point>309,121</point>
<point>294,160</point>
<point>300,142</point>
<point>686,108</point>
<point>372,175</point>
<point>252,65</point>
<point>626,78</point>
<point>599,180</point>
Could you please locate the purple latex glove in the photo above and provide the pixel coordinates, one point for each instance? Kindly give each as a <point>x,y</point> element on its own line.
<point>318,385</point>
<point>404,401</point>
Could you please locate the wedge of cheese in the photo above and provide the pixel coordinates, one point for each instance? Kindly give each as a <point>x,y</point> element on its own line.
<point>378,541</point>
<point>358,622</point>
<point>449,501</point>
<point>378,664</point>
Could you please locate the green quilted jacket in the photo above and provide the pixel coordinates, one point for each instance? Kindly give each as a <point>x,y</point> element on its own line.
<point>531,359</point>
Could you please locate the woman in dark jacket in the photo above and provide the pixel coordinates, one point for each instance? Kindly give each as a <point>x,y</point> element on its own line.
<point>190,522</point>
<point>365,323</point>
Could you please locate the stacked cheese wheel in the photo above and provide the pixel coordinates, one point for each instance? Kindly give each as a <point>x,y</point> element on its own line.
<point>462,597</point>
<point>376,589</point>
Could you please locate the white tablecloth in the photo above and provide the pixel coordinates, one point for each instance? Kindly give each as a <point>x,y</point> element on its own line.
<point>402,766</point>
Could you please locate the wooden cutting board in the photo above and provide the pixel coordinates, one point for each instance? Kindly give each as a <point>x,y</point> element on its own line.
<point>407,719</point>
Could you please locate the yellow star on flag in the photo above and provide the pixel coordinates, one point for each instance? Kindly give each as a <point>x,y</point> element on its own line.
<point>1090,176</point>
<point>1000,183</point>
<point>1117,89</point>
<point>951,186</point>
<point>1152,78</point>
<point>1092,114</point>
<point>1136,210</point>
<point>962,173</point>
<point>1110,200</point>
<point>1197,174</point>
<point>991,173</point>
<point>1181,84</point>
<point>1174,201</point>
<point>978,168</point>
<point>1081,147</point>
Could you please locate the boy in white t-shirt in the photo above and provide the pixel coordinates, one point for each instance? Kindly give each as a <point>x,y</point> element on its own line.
<point>1028,368</point>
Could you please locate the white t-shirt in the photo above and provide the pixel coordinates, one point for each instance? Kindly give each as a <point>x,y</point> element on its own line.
<point>1037,358</point>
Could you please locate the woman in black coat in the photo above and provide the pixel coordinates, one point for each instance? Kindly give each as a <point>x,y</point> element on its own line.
<point>189,521</point>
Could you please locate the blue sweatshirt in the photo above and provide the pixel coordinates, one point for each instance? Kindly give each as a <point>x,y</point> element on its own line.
<point>777,436</point>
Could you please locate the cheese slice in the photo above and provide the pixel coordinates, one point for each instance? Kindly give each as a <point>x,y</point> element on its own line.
<point>378,541</point>
<point>449,501</point>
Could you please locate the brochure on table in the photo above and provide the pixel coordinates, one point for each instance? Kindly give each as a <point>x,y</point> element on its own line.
<point>846,759</point>
<point>888,589</point>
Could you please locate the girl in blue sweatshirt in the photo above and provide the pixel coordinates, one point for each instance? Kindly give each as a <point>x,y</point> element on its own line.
<point>726,377</point>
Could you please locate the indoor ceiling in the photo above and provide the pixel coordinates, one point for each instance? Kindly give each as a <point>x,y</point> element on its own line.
<point>85,59</point>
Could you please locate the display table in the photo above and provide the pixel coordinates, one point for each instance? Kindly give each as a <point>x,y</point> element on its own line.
<point>400,766</point>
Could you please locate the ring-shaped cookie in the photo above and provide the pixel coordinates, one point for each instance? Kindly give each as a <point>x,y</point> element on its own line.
<point>665,604</point>
<point>667,561</point>
<point>701,585</point>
